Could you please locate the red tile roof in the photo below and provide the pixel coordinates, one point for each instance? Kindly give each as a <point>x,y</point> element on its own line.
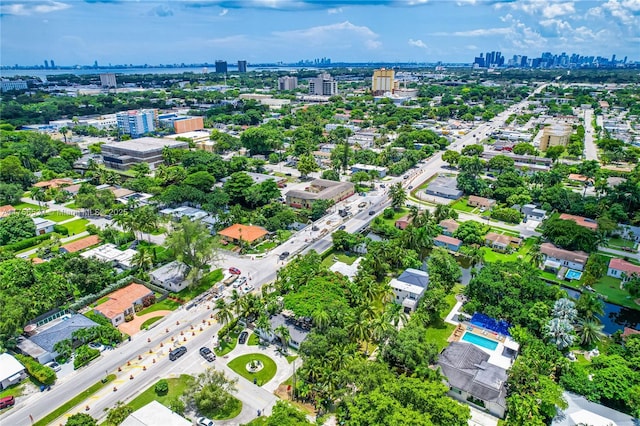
<point>6,210</point>
<point>122,299</point>
<point>582,221</point>
<point>248,233</point>
<point>624,266</point>
<point>448,240</point>
<point>81,244</point>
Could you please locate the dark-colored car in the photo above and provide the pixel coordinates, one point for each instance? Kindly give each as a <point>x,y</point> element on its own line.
<point>235,271</point>
<point>372,212</point>
<point>177,353</point>
<point>284,255</point>
<point>341,228</point>
<point>7,401</point>
<point>207,354</point>
<point>243,337</point>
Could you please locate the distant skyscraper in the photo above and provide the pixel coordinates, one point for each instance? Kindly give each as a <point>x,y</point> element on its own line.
<point>46,64</point>
<point>324,85</point>
<point>242,66</point>
<point>108,80</point>
<point>221,67</point>
<point>382,81</point>
<point>53,64</point>
<point>136,123</point>
<point>287,83</point>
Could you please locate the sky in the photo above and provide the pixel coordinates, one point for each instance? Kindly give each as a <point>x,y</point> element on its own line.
<point>75,32</point>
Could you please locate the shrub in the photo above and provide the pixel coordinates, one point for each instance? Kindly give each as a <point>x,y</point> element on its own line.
<point>26,243</point>
<point>162,387</point>
<point>84,355</point>
<point>128,318</point>
<point>148,300</point>
<point>506,215</point>
<point>228,327</point>
<point>41,373</point>
<point>62,230</point>
<point>138,307</point>
<point>388,213</point>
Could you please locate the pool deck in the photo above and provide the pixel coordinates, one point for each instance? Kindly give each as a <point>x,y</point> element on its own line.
<point>496,355</point>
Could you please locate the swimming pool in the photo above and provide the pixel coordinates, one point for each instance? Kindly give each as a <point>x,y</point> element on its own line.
<point>572,274</point>
<point>480,341</point>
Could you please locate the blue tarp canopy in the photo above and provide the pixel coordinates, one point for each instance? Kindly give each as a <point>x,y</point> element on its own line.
<point>484,321</point>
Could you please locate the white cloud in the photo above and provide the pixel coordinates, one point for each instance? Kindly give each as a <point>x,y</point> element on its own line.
<point>418,43</point>
<point>334,10</point>
<point>341,32</point>
<point>548,9</point>
<point>623,11</point>
<point>31,7</point>
<point>480,32</point>
<point>223,12</point>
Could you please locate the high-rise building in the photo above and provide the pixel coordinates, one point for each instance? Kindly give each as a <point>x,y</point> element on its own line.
<point>287,83</point>
<point>136,123</point>
<point>242,66</point>
<point>46,64</point>
<point>555,135</point>
<point>382,81</point>
<point>108,80</point>
<point>221,67</point>
<point>323,85</point>
<point>53,64</point>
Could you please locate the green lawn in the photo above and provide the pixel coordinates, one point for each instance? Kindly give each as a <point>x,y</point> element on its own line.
<point>439,333</point>
<point>165,305</point>
<point>254,340</point>
<point>291,358</point>
<point>56,216</point>
<point>262,248</point>
<point>334,257</point>
<point>610,288</point>
<point>73,402</point>
<point>451,298</point>
<point>494,256</point>
<point>101,301</point>
<point>23,206</point>
<point>239,365</point>
<point>205,284</point>
<point>619,242</point>
<point>461,205</point>
<point>177,386</point>
<point>150,321</point>
<point>397,214</point>
<point>76,226</point>
<point>159,230</point>
<point>227,346</point>
<point>19,388</point>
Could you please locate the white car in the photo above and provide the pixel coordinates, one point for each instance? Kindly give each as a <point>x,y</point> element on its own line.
<point>247,289</point>
<point>239,282</point>
<point>203,421</point>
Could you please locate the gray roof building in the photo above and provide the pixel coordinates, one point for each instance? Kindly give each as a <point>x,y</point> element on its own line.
<point>123,155</point>
<point>444,186</point>
<point>581,411</point>
<point>415,277</point>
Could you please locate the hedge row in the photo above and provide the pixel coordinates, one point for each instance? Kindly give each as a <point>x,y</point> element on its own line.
<point>228,327</point>
<point>29,242</point>
<point>61,229</point>
<point>41,373</point>
<point>84,355</point>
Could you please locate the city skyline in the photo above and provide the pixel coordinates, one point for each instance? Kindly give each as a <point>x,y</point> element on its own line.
<point>259,31</point>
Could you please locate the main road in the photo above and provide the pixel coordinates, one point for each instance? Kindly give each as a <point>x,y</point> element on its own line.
<point>260,270</point>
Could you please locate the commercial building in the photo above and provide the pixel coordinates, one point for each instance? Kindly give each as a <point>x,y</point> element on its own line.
<point>136,123</point>
<point>555,135</point>
<point>221,67</point>
<point>154,414</point>
<point>378,170</point>
<point>108,80</point>
<point>409,287</point>
<point>122,302</point>
<point>8,85</point>
<point>188,124</point>
<point>242,66</point>
<point>382,81</point>
<point>11,371</point>
<point>123,155</point>
<point>443,186</point>
<point>323,85</point>
<point>319,189</point>
<point>287,83</point>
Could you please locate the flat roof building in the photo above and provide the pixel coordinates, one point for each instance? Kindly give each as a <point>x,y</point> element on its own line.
<point>320,189</point>
<point>137,122</point>
<point>123,155</point>
<point>445,187</point>
<point>323,85</point>
<point>555,135</point>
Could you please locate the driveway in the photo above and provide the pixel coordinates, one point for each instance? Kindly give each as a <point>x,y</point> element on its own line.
<point>133,327</point>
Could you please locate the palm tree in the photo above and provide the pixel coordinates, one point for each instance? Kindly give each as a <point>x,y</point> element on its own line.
<point>263,324</point>
<point>564,309</point>
<point>535,254</point>
<point>223,315</point>
<point>560,333</point>
<point>397,195</point>
<point>236,302</point>
<point>39,195</point>
<point>589,332</point>
<point>474,255</point>
<point>589,307</point>
<point>394,314</point>
<point>283,333</point>
<point>321,319</point>
<point>143,259</point>
<point>359,329</point>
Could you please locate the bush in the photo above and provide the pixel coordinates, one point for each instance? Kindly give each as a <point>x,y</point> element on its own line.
<point>26,243</point>
<point>128,318</point>
<point>62,230</point>
<point>148,300</point>
<point>388,213</point>
<point>84,355</point>
<point>162,387</point>
<point>138,307</point>
<point>41,373</point>
<point>228,327</point>
<point>507,214</point>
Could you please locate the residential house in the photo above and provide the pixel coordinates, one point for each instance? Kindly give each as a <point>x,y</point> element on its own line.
<point>620,268</point>
<point>298,328</point>
<point>581,411</point>
<point>6,211</point>
<point>41,341</point>
<point>471,377</point>
<point>43,226</point>
<point>11,371</point>
<point>582,221</point>
<point>81,244</point>
<point>319,189</point>
<point>261,177</point>
<point>122,302</point>
<point>109,253</point>
<point>628,232</point>
<point>378,170</point>
<point>482,202</point>
<point>250,234</point>
<point>449,226</point>
<point>577,178</point>
<point>171,276</point>
<point>403,222</point>
<point>409,287</point>
<point>53,183</point>
<point>154,414</point>
<point>501,242</point>
<point>531,212</point>
<point>73,189</point>
<point>449,243</point>
<point>445,187</point>
<point>556,257</point>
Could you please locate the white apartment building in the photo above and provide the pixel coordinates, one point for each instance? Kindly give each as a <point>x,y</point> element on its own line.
<point>287,83</point>
<point>136,123</point>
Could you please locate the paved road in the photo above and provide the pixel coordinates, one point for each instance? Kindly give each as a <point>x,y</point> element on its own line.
<point>590,149</point>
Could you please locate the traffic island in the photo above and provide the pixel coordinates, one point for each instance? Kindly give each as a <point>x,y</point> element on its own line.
<point>257,368</point>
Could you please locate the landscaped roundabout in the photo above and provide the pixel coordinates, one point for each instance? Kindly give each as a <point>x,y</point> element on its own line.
<point>254,367</point>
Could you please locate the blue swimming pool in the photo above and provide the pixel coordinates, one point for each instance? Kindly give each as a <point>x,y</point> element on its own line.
<point>480,341</point>
<point>572,274</point>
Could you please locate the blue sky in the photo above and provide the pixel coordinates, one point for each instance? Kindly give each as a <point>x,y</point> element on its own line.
<point>192,31</point>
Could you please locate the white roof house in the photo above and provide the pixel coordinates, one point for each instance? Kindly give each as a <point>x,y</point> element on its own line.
<point>111,254</point>
<point>11,371</point>
<point>171,276</point>
<point>154,414</point>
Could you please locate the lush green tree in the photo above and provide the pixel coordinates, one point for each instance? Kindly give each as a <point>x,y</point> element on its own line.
<point>261,140</point>
<point>444,271</point>
<point>10,193</point>
<point>193,244</point>
<point>306,165</point>
<point>471,232</point>
<point>501,163</point>
<point>16,227</point>
<point>200,180</point>
<point>211,391</point>
<point>331,175</point>
<point>569,235</point>
<point>12,171</point>
<point>119,413</point>
<point>236,187</point>
<point>589,306</point>
<point>560,332</point>
<point>410,350</point>
<point>319,208</point>
<point>524,148</point>
<point>81,419</point>
<point>398,195</point>
<point>472,150</point>
<point>285,414</point>
<point>555,152</point>
<point>451,157</point>
<point>589,332</point>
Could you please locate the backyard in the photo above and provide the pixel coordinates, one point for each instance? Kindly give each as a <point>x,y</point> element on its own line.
<point>609,287</point>
<point>334,257</point>
<point>56,216</point>
<point>76,226</point>
<point>621,243</point>
<point>494,256</point>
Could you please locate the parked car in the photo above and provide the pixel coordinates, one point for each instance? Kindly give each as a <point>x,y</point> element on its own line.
<point>96,345</point>
<point>362,204</point>
<point>54,365</point>
<point>341,228</point>
<point>177,353</point>
<point>207,354</point>
<point>247,289</point>
<point>7,401</point>
<point>203,421</point>
<point>372,212</point>
<point>234,270</point>
<point>243,337</point>
<point>410,186</point>
<point>284,255</point>
<point>239,282</point>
